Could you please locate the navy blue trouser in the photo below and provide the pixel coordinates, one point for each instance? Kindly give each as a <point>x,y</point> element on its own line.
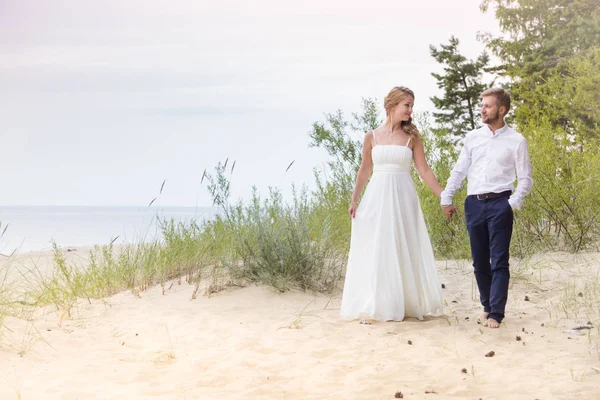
<point>490,223</point>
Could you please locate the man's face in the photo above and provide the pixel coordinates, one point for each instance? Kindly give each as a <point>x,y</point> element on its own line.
<point>490,111</point>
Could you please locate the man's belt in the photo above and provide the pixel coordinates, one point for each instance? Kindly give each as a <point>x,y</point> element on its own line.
<point>489,196</point>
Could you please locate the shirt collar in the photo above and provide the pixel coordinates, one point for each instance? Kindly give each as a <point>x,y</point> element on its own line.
<point>498,131</point>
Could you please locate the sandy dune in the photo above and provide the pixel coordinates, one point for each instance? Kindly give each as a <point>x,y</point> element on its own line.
<point>253,343</point>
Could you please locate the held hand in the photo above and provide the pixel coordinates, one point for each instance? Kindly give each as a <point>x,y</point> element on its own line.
<point>352,210</point>
<point>449,210</point>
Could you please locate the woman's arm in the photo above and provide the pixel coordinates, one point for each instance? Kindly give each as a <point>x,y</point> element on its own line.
<point>423,168</point>
<point>364,172</point>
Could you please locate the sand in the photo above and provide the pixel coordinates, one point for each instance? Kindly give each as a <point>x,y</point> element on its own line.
<point>253,343</point>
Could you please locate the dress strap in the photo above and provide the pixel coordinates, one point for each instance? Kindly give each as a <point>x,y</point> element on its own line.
<point>374,138</point>
<point>408,143</point>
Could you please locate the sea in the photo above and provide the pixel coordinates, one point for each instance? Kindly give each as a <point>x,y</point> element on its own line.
<point>34,228</point>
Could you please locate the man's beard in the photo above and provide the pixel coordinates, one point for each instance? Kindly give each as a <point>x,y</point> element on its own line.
<point>491,119</point>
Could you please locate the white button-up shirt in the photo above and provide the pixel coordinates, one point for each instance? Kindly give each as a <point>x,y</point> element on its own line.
<point>490,162</point>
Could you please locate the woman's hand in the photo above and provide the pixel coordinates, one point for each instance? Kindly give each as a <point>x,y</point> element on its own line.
<point>352,209</point>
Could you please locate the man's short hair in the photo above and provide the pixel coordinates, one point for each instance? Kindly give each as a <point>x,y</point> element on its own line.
<point>501,95</point>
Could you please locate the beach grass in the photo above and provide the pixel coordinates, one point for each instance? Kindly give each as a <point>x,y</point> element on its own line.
<point>5,298</point>
<point>265,241</point>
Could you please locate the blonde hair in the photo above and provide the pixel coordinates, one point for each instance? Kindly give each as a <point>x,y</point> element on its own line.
<point>502,96</point>
<point>394,97</point>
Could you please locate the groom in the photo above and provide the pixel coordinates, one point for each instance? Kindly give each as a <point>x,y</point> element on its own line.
<point>490,158</point>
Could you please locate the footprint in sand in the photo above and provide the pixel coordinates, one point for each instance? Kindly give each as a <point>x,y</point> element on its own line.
<point>161,357</point>
<point>158,357</point>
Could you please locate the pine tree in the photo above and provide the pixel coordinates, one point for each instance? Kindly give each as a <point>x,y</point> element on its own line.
<point>462,84</point>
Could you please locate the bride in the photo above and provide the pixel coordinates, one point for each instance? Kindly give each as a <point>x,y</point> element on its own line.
<point>391,271</point>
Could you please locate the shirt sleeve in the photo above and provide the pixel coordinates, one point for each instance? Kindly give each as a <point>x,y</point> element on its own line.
<point>524,179</point>
<point>458,174</point>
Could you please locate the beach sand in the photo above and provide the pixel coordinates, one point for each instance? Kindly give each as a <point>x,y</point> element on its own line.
<point>253,343</point>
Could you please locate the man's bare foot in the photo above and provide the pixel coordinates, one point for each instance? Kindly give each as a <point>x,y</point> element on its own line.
<point>483,317</point>
<point>491,323</point>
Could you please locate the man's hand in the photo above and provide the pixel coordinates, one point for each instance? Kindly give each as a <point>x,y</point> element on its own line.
<point>449,210</point>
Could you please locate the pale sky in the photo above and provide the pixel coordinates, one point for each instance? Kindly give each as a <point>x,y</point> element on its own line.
<point>100,101</point>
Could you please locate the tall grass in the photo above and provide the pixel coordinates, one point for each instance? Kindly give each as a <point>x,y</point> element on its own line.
<point>563,212</point>
<point>266,241</point>
<point>6,292</point>
<point>6,300</point>
<point>271,242</point>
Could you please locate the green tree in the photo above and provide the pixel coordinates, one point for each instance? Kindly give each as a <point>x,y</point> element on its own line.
<point>546,45</point>
<point>461,83</point>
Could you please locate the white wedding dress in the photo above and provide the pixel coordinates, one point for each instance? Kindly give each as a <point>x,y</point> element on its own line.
<point>391,270</point>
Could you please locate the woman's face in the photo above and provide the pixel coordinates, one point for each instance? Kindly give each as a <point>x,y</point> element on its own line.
<point>404,109</point>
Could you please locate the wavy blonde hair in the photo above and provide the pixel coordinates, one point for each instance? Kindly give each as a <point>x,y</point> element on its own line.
<point>394,97</point>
